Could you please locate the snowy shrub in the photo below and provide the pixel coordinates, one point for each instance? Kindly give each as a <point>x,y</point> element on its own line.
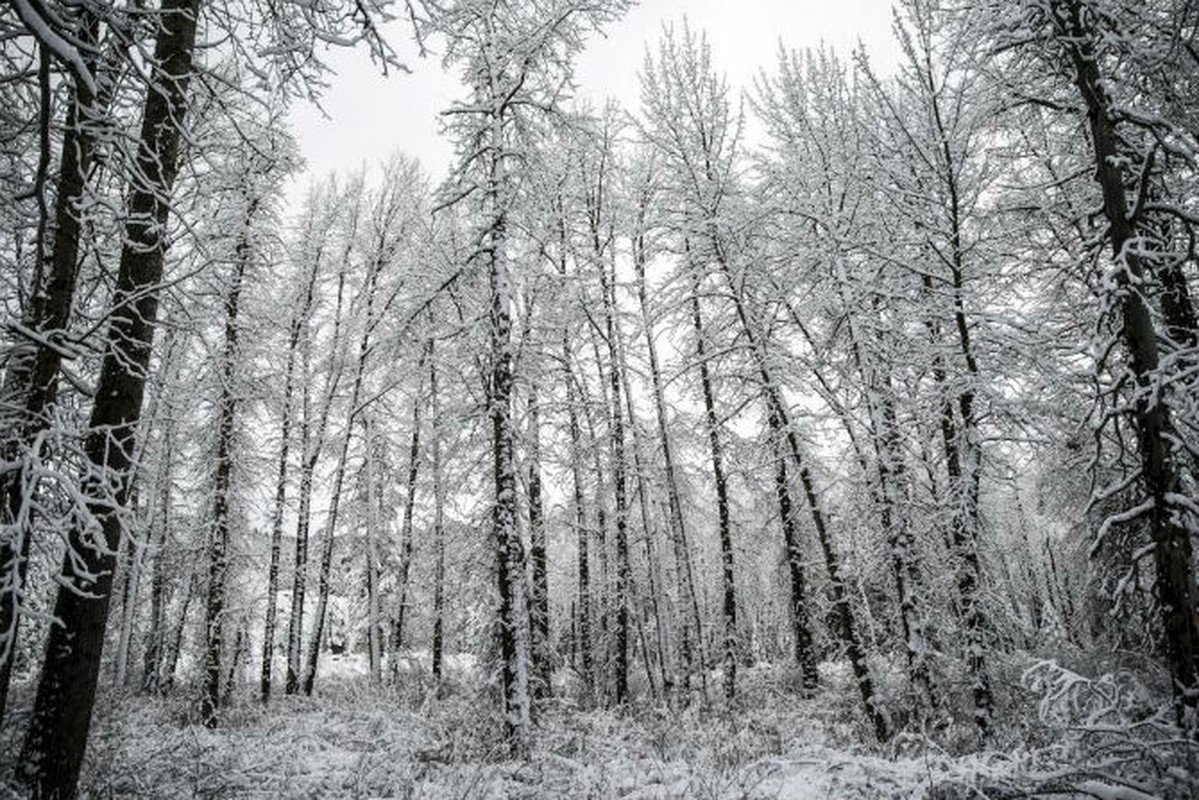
<point>1116,738</point>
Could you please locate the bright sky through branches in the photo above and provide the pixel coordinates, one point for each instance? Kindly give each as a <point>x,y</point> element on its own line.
<point>371,116</point>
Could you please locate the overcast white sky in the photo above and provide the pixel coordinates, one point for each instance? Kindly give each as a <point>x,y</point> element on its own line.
<point>370,116</point>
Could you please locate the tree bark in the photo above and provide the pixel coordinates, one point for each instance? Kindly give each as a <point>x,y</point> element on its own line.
<point>310,448</point>
<point>648,536</point>
<point>582,534</point>
<point>801,626</point>
<point>623,582</point>
<point>53,751</point>
<point>295,331</point>
<point>322,596</point>
<point>218,558</point>
<point>539,595</point>
<point>406,543</point>
<point>31,376</point>
<point>1172,553</point>
<point>842,609</point>
<point>438,520</point>
<point>509,555</point>
<point>172,655</point>
<point>156,636</point>
<point>716,451</point>
<point>374,641</point>
<point>690,630</point>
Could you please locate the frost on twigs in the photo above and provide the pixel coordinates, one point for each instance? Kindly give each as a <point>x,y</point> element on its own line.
<point>1116,738</point>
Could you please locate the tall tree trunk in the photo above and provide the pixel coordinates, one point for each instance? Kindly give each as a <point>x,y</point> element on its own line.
<point>406,533</point>
<point>129,567</point>
<point>716,451</point>
<point>156,636</point>
<point>893,489</point>
<point>53,751</point>
<point>239,652</point>
<point>31,375</point>
<point>167,681</point>
<point>299,580</point>
<point>374,640</point>
<point>295,331</point>
<point>509,555</point>
<point>690,630</point>
<point>438,520</point>
<point>648,532</point>
<point>602,542</point>
<point>311,445</point>
<point>322,595</point>
<point>890,472</point>
<point>962,492</point>
<point>539,596</point>
<point>801,626</point>
<point>1172,552</point>
<point>582,534</point>
<point>842,609</point>
<point>140,535</point>
<point>218,546</point>
<point>623,581</point>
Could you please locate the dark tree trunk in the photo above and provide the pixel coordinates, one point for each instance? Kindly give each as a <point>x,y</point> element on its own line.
<point>801,626</point>
<point>406,543</point>
<point>239,653</point>
<point>623,582</point>
<point>539,595</point>
<point>295,330</point>
<point>716,450</point>
<point>167,680</point>
<point>843,613</point>
<point>1172,555</point>
<point>31,377</point>
<point>299,581</point>
<point>156,636</point>
<point>438,522</point>
<point>583,535</point>
<point>509,552</point>
<point>648,535</point>
<point>311,445</point>
<point>218,556</point>
<point>330,529</point>
<point>374,513</point>
<point>54,746</point>
<point>689,628</point>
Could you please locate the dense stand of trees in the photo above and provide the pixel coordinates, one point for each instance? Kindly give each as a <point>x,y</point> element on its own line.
<point>906,379</point>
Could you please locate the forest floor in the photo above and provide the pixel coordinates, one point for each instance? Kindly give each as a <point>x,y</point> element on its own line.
<point>351,740</point>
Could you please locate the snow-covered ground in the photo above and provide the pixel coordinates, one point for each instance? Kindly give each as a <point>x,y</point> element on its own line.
<point>403,741</point>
